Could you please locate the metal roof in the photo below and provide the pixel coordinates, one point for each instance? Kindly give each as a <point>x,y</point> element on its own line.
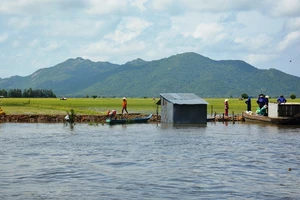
<point>183,98</point>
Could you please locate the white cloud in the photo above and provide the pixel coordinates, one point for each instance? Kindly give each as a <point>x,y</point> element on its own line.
<point>71,28</point>
<point>51,46</point>
<point>139,4</point>
<point>258,43</point>
<point>222,5</point>
<point>39,7</point>
<point>107,51</point>
<point>34,43</point>
<point>209,32</point>
<point>258,58</point>
<point>292,38</point>
<point>129,29</point>
<point>106,7</point>
<point>16,43</point>
<point>159,5</point>
<point>292,24</point>
<point>283,7</point>
<point>19,22</point>
<point>3,37</point>
<point>21,6</point>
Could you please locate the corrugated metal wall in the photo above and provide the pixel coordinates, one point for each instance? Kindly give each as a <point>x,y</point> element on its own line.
<point>183,114</point>
<point>166,111</point>
<point>190,114</point>
<point>288,110</point>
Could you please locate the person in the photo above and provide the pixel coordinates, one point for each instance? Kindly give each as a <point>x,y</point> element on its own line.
<point>261,101</point>
<point>281,99</point>
<point>226,107</point>
<point>2,112</point>
<point>267,100</point>
<point>248,102</point>
<point>267,104</point>
<point>112,114</point>
<point>124,105</point>
<point>262,111</point>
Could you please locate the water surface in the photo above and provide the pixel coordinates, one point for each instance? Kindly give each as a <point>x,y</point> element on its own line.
<point>149,161</point>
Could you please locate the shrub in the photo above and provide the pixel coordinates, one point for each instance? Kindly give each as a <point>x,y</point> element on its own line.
<point>244,96</point>
<point>293,96</point>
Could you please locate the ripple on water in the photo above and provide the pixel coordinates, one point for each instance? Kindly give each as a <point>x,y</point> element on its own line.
<point>149,161</point>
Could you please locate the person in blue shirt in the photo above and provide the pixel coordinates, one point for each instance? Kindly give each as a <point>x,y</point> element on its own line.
<point>248,102</point>
<point>281,100</point>
<point>261,101</point>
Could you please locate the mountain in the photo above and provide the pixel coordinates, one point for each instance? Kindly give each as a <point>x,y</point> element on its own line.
<point>184,73</point>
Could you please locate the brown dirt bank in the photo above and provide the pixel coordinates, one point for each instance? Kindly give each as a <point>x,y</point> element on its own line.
<point>28,118</point>
<point>22,118</point>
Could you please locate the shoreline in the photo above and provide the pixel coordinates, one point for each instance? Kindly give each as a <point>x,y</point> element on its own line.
<point>48,118</point>
<point>59,118</point>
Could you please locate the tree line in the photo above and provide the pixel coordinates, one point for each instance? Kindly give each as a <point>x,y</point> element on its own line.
<point>33,93</point>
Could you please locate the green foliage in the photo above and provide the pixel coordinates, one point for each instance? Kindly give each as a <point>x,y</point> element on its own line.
<point>244,96</point>
<point>293,96</point>
<point>37,93</point>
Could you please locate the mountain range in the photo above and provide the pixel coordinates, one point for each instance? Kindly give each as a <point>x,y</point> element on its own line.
<point>182,73</point>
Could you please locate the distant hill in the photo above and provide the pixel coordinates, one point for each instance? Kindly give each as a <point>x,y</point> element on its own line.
<point>184,73</point>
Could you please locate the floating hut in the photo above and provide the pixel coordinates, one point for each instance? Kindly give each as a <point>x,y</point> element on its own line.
<point>183,108</point>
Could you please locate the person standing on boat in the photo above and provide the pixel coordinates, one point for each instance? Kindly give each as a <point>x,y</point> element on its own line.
<point>226,107</point>
<point>281,100</point>
<point>248,102</point>
<point>124,105</point>
<point>261,101</point>
<point>267,104</point>
<point>112,114</point>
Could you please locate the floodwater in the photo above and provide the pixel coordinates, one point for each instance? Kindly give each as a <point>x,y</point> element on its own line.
<point>149,161</point>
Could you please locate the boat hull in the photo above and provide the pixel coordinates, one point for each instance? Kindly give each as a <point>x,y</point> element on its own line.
<point>273,120</point>
<point>128,121</point>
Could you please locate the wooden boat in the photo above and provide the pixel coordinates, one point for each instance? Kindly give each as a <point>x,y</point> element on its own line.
<point>282,114</point>
<point>211,119</point>
<point>294,120</point>
<point>128,121</point>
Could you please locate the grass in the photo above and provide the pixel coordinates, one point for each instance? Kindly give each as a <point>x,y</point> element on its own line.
<point>99,106</point>
<point>87,106</point>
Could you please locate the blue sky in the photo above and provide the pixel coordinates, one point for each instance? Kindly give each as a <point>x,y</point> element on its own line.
<point>38,34</point>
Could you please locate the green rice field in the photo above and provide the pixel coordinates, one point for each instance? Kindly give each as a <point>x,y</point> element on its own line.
<point>99,106</point>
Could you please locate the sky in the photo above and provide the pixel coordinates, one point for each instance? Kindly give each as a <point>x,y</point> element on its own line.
<point>37,34</point>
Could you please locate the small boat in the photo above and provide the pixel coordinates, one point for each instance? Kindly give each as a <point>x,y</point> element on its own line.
<point>128,121</point>
<point>281,114</point>
<point>211,119</point>
<point>249,116</point>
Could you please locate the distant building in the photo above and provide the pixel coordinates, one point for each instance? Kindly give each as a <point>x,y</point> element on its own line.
<point>183,108</point>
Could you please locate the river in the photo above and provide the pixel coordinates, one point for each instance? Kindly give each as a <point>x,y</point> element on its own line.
<point>149,161</point>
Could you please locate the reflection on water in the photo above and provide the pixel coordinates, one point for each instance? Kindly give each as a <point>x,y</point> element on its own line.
<point>149,161</point>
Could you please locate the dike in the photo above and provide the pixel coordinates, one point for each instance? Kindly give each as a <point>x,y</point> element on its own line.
<point>40,118</point>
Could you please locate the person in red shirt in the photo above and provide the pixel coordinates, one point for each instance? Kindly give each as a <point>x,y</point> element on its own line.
<point>124,105</point>
<point>112,114</point>
<point>226,107</point>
